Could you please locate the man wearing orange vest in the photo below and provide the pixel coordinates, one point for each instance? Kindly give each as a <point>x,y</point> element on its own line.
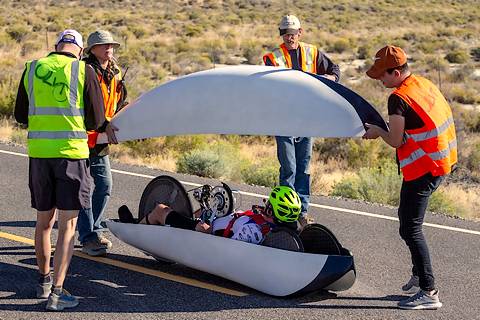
<point>90,221</point>
<point>423,132</point>
<point>294,153</point>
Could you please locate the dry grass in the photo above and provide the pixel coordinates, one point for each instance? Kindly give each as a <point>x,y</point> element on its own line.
<point>6,130</point>
<point>165,161</point>
<point>465,197</point>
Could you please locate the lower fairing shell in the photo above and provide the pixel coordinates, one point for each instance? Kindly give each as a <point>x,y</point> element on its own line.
<point>273,271</point>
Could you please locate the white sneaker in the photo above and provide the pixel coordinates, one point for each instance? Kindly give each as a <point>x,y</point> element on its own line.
<point>58,302</point>
<point>421,301</point>
<point>412,285</point>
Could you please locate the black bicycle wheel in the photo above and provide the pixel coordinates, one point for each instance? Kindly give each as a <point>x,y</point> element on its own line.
<point>283,238</point>
<point>166,190</point>
<point>317,238</point>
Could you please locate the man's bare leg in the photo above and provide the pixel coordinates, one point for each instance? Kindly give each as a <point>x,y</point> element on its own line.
<point>67,221</point>
<point>43,246</point>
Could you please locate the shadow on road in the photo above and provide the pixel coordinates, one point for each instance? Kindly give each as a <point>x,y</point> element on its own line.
<point>108,289</point>
<point>20,224</point>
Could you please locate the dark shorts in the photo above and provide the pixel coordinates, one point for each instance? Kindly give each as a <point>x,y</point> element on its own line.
<point>59,183</point>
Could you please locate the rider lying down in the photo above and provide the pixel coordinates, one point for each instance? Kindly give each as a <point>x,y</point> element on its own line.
<point>282,208</point>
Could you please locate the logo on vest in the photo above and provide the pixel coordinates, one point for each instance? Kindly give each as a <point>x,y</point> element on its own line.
<point>47,77</point>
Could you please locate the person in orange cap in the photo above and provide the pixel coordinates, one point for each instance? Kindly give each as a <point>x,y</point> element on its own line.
<point>423,132</point>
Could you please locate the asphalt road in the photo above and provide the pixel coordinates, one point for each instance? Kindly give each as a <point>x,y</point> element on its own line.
<point>110,289</point>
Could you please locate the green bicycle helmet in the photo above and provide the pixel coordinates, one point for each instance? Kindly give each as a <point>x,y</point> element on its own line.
<point>286,204</point>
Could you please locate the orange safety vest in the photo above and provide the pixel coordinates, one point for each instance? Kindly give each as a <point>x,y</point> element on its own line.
<point>281,58</point>
<point>110,100</point>
<point>433,147</point>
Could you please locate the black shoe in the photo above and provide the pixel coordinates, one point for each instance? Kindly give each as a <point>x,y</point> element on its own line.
<point>125,215</point>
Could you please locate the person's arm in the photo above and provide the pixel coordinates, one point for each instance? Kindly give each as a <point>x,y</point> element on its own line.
<point>393,137</point>
<point>93,101</point>
<point>397,108</point>
<point>327,68</point>
<point>21,103</point>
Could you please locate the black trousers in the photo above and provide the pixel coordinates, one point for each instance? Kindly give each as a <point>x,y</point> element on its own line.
<point>414,198</point>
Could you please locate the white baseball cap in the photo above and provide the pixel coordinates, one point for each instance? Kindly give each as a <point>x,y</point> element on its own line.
<point>70,36</point>
<point>289,24</point>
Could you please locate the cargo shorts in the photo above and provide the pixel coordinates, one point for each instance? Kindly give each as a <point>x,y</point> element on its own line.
<point>59,183</point>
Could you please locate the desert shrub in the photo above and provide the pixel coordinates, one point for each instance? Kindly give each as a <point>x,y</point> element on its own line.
<point>340,45</point>
<point>364,153</point>
<point>460,74</point>
<point>440,202</point>
<point>457,56</point>
<point>380,184</point>
<point>29,47</point>
<point>264,174</point>
<point>214,159</point>
<point>19,136</point>
<point>330,148</point>
<point>471,120</point>
<point>183,144</point>
<point>17,32</point>
<point>473,160</point>
<point>410,36</point>
<point>203,163</point>
<point>357,153</point>
<point>365,51</point>
<point>192,30</point>
<point>464,95</point>
<point>429,46</point>
<point>252,51</point>
<point>139,31</point>
<point>8,91</point>
<point>144,147</point>
<point>475,53</point>
<point>347,188</point>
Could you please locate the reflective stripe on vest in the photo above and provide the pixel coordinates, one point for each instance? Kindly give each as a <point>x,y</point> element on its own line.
<point>57,135</point>
<point>417,154</point>
<point>281,58</point>
<point>432,148</point>
<point>56,117</point>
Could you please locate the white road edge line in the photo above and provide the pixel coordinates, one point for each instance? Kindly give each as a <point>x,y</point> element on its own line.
<point>256,195</point>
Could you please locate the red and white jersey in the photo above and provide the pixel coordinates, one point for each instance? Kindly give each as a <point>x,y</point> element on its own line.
<point>239,226</point>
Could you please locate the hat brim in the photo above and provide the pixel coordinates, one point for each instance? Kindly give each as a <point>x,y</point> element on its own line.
<point>115,44</point>
<point>288,31</point>
<point>375,72</point>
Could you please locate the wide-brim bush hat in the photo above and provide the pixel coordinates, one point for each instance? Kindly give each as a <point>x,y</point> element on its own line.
<point>100,37</point>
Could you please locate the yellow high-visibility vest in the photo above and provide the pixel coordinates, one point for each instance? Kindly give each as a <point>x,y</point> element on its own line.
<point>56,127</point>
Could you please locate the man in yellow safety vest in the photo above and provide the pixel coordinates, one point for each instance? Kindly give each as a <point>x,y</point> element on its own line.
<point>59,98</point>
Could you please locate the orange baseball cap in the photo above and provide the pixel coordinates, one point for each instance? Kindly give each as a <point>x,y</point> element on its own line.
<point>386,58</point>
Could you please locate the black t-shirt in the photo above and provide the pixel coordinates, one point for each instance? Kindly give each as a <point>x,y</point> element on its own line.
<point>398,106</point>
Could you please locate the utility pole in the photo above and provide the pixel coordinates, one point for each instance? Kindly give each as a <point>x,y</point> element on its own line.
<point>213,57</point>
<point>439,75</point>
<point>46,38</point>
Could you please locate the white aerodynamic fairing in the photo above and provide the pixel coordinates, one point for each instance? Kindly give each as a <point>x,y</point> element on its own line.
<point>273,271</point>
<point>251,100</point>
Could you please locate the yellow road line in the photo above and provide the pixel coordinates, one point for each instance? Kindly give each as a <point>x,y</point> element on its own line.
<point>136,268</point>
<point>16,238</point>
